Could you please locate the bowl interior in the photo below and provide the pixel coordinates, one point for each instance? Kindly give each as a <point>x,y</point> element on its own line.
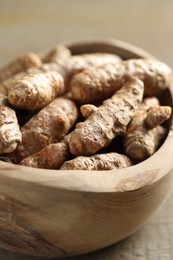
<point>124,50</point>
<point>103,181</point>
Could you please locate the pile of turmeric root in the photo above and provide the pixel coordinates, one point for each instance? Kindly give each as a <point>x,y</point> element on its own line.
<point>86,112</point>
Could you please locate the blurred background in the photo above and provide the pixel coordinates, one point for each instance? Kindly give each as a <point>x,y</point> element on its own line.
<point>35,25</point>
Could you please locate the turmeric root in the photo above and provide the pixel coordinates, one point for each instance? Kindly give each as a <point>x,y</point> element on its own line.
<point>10,135</point>
<point>157,115</point>
<point>35,91</point>
<point>78,63</point>
<point>145,143</point>
<point>108,121</point>
<point>87,110</point>
<point>57,54</point>
<point>99,83</point>
<point>52,156</point>
<point>60,68</point>
<point>62,63</point>
<point>140,142</point>
<point>149,102</point>
<point>9,83</point>
<point>98,162</point>
<point>48,126</point>
<point>22,63</point>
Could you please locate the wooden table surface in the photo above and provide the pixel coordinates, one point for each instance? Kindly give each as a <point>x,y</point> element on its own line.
<point>35,25</point>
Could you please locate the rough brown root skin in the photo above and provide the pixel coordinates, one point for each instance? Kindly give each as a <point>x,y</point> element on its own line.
<point>56,54</point>
<point>87,110</point>
<point>108,121</point>
<point>10,135</point>
<point>140,149</point>
<point>149,102</point>
<point>22,63</point>
<point>98,162</point>
<point>78,63</point>
<point>48,126</point>
<point>9,83</point>
<point>60,68</point>
<point>140,142</point>
<point>60,60</point>
<point>51,156</point>
<point>157,115</point>
<point>35,91</point>
<point>99,83</point>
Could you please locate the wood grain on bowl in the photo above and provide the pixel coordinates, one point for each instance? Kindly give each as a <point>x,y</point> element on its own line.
<point>63,213</point>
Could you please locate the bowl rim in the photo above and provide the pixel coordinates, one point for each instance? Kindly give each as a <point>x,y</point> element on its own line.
<point>121,45</point>
<point>121,180</point>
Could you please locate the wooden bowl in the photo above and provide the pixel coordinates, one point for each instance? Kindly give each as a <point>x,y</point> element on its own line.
<point>63,213</point>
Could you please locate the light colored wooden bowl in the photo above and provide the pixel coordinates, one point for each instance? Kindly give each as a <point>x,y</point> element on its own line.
<point>63,213</point>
